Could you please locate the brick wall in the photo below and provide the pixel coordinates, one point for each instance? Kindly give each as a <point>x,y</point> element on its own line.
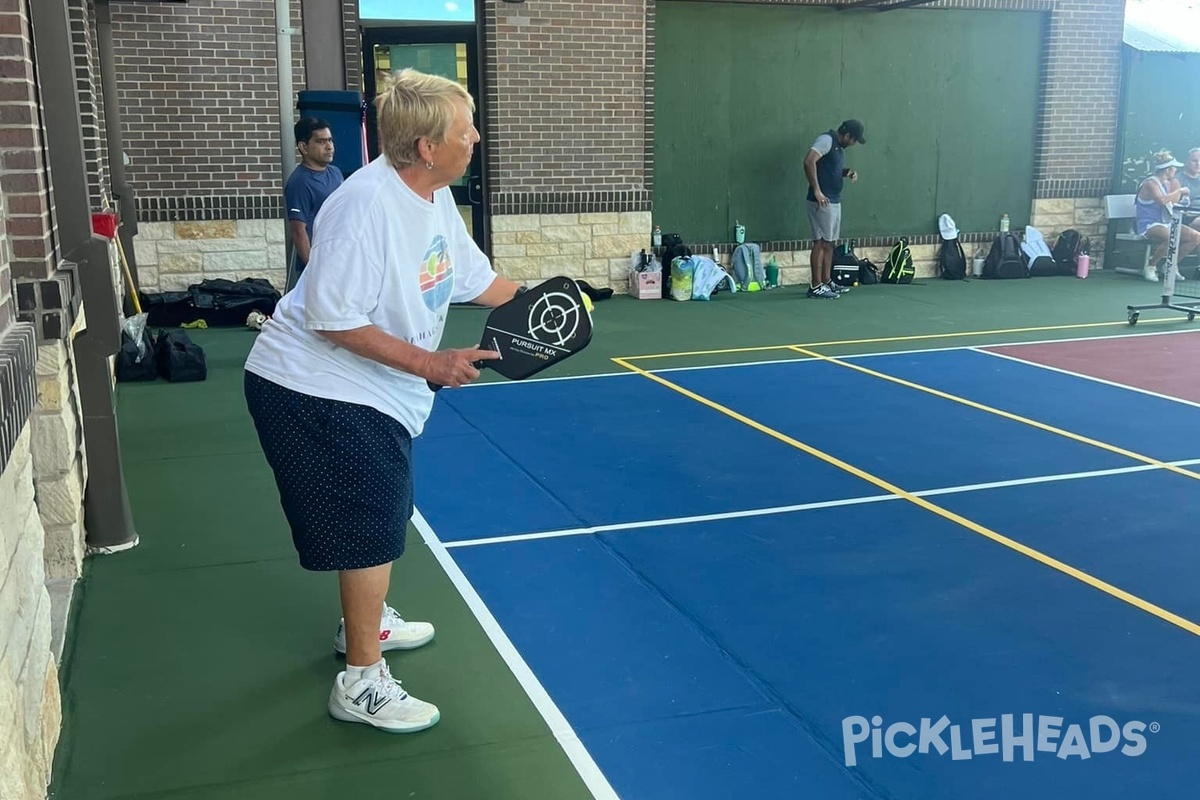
<point>567,96</point>
<point>91,111</point>
<point>23,177</point>
<point>1079,111</point>
<point>199,97</point>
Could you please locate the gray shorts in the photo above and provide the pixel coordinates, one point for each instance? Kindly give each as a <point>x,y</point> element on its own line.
<point>826,223</point>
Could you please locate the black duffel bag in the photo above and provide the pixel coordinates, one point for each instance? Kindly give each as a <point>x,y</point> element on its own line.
<point>217,301</point>
<point>223,302</point>
<point>180,359</point>
<point>133,365</point>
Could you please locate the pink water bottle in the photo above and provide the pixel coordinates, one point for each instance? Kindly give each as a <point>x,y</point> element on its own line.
<point>1081,265</point>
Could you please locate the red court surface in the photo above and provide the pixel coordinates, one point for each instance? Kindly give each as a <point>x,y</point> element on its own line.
<point>1168,364</point>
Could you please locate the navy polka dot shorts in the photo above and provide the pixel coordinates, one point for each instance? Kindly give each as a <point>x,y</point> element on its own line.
<point>344,473</point>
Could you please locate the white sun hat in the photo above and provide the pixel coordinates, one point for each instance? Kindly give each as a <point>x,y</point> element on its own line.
<point>947,226</point>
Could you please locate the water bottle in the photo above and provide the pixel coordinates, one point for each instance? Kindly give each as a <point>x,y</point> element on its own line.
<point>656,239</point>
<point>1082,262</point>
<point>739,232</point>
<point>1004,224</point>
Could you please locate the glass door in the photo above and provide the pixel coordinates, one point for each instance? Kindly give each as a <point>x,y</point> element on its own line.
<point>446,50</point>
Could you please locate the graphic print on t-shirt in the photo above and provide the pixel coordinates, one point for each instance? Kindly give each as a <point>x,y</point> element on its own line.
<point>436,274</point>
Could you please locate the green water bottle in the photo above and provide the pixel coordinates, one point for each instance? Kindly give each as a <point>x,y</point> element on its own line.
<point>739,232</point>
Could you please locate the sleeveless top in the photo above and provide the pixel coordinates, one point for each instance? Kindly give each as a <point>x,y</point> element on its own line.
<point>1150,212</point>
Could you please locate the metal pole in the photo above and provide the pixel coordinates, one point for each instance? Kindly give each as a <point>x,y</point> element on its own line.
<point>283,56</point>
<point>287,120</point>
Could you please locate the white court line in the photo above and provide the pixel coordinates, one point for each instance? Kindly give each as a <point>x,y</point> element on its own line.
<point>852,501</point>
<point>911,351</point>
<point>1092,378</point>
<point>592,777</point>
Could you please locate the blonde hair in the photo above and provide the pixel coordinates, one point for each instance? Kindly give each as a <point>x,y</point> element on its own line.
<point>1162,158</point>
<point>412,105</point>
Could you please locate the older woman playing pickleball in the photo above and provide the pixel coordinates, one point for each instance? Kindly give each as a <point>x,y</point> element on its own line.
<point>337,381</point>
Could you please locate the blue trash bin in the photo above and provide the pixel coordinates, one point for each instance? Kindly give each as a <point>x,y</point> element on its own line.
<point>346,114</point>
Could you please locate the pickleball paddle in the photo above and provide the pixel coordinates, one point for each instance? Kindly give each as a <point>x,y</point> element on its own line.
<point>535,330</point>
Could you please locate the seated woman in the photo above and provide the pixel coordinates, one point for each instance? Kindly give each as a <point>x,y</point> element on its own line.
<point>1152,209</point>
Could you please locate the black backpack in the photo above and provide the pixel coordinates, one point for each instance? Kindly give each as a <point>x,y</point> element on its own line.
<point>899,265</point>
<point>868,273</point>
<point>1067,247</point>
<point>178,358</point>
<point>1005,260</point>
<point>952,261</point>
<point>846,266</point>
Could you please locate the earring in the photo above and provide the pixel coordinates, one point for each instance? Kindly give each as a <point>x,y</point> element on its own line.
<point>428,165</point>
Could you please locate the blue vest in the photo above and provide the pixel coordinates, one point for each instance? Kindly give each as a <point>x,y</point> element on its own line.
<point>829,172</point>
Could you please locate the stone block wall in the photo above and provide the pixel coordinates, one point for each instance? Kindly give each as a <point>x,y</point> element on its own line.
<point>29,694</point>
<point>592,246</point>
<point>174,255</point>
<point>59,458</point>
<point>1084,214</point>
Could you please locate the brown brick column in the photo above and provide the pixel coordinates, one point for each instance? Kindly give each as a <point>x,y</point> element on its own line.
<point>1078,119</point>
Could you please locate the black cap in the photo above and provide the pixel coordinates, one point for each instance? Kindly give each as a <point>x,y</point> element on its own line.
<point>855,129</point>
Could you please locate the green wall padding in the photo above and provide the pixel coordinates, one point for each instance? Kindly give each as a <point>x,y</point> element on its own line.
<point>949,100</point>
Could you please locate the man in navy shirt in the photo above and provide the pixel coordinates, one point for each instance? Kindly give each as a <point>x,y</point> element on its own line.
<point>314,179</point>
<point>825,168</point>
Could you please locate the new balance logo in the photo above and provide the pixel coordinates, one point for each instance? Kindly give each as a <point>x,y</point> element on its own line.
<point>373,699</point>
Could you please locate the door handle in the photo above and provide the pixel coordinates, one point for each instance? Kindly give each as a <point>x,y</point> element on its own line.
<point>474,185</point>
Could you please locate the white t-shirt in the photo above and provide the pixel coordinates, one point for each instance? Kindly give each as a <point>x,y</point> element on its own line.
<point>385,257</point>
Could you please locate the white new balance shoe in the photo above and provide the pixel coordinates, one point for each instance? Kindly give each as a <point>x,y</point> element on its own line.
<point>377,699</point>
<point>394,633</point>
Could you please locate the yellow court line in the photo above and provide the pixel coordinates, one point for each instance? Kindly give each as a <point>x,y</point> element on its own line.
<point>1112,448</point>
<point>882,339</point>
<point>891,488</point>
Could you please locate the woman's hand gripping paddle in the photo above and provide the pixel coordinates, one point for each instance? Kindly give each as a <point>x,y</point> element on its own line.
<point>536,330</point>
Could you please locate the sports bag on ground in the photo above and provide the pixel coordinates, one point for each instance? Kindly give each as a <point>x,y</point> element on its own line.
<point>952,261</point>
<point>847,268</point>
<point>179,358</point>
<point>1005,260</point>
<point>899,265</point>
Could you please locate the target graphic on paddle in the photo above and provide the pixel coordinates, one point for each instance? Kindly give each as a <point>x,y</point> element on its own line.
<point>536,330</point>
<point>554,318</point>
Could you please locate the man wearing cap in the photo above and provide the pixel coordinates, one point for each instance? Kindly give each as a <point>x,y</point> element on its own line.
<point>825,168</point>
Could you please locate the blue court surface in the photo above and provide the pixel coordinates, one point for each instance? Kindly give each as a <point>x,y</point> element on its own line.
<point>803,580</point>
